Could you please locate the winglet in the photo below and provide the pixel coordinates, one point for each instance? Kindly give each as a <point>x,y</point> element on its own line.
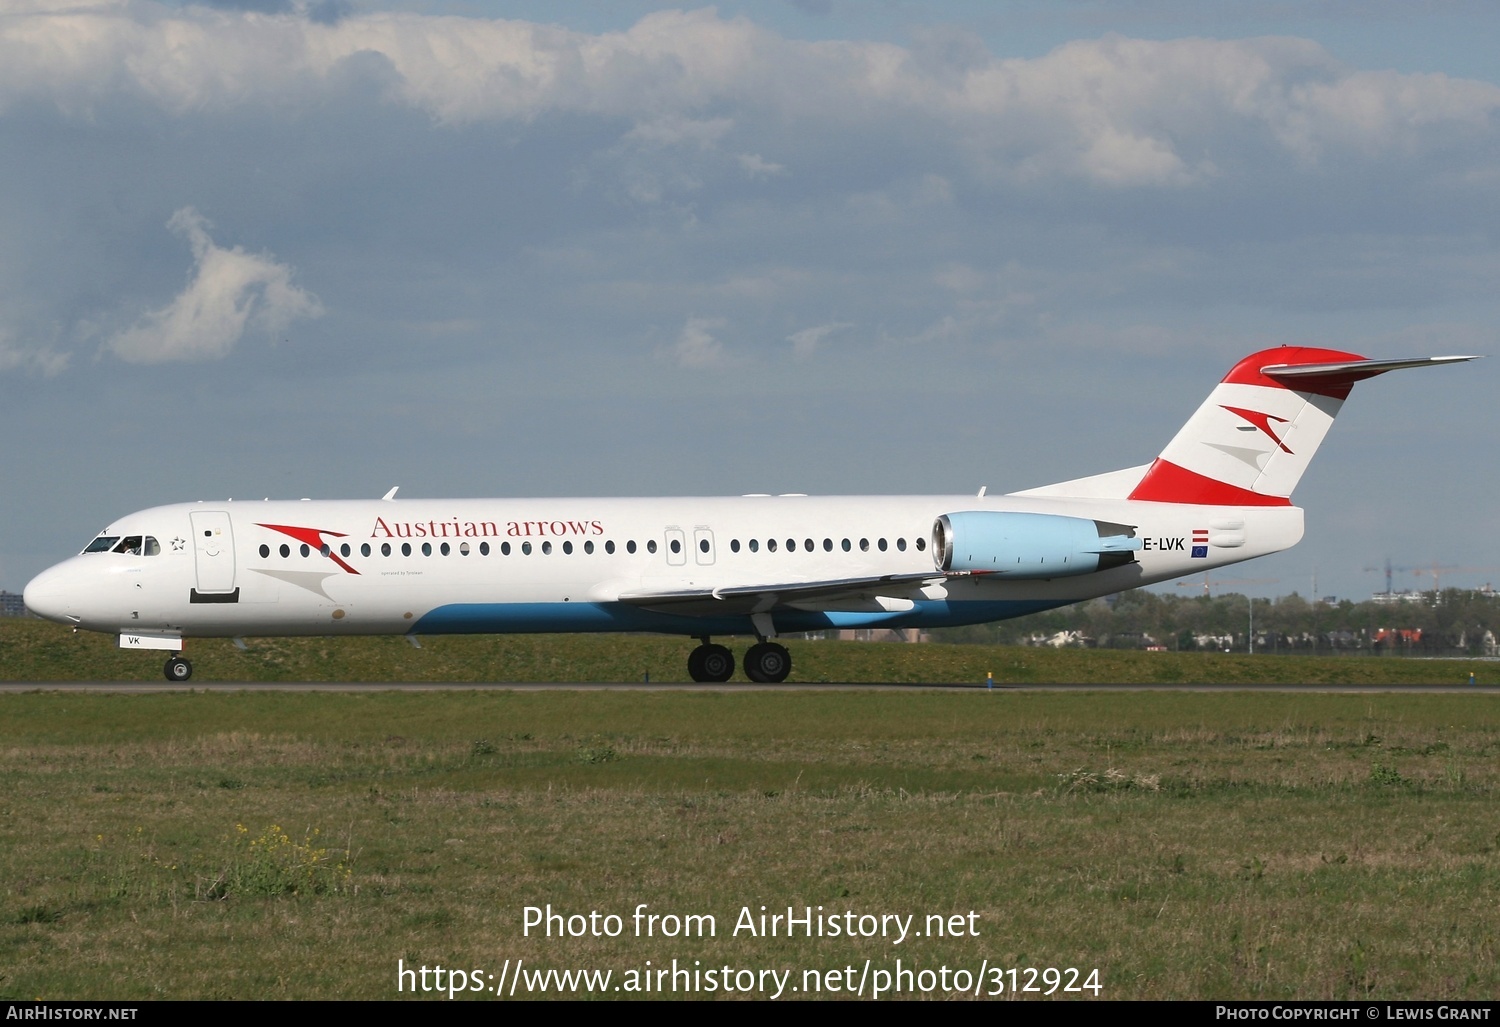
<point>390,497</point>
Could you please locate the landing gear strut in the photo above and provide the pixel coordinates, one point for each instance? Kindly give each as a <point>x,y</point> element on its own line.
<point>178,669</point>
<point>767,663</point>
<point>710,662</point>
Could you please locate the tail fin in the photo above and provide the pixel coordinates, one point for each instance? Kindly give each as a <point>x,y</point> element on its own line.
<point>1250,441</point>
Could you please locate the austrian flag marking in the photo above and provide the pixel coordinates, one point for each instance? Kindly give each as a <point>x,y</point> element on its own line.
<point>1200,544</point>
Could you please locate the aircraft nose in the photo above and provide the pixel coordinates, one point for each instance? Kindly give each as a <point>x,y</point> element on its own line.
<point>46,596</point>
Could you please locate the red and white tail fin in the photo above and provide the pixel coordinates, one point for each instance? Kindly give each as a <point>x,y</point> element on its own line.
<point>1250,441</point>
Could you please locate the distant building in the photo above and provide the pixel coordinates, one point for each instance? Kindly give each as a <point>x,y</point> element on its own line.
<point>883,635</point>
<point>12,605</point>
<point>1404,596</point>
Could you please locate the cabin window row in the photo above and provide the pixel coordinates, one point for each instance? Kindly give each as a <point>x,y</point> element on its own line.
<point>847,545</point>
<point>447,549</point>
<point>588,548</point>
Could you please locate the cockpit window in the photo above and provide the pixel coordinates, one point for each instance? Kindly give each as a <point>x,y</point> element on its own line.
<point>102,544</point>
<point>130,545</point>
<point>152,548</point>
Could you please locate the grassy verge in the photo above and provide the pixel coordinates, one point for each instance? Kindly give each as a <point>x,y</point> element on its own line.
<point>32,650</point>
<point>296,845</point>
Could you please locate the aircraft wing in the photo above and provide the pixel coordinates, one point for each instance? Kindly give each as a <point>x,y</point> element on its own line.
<point>752,599</point>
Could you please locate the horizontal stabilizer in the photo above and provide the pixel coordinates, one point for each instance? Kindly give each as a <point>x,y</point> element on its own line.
<point>1341,374</point>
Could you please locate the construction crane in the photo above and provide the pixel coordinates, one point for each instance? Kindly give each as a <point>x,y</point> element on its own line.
<point>1435,569</point>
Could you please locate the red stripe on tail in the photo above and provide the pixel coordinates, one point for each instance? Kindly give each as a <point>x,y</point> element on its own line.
<point>1165,482</point>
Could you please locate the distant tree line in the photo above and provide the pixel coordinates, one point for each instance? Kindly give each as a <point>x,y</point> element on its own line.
<point>1447,623</point>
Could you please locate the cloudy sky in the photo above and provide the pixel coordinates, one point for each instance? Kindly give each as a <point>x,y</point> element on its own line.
<point>285,248</point>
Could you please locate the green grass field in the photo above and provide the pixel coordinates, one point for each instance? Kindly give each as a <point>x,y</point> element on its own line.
<point>33,650</point>
<point>297,845</point>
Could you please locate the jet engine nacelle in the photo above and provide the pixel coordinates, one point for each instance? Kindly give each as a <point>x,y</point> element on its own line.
<point>1030,545</point>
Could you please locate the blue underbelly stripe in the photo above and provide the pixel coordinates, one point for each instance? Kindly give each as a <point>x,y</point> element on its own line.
<point>512,618</point>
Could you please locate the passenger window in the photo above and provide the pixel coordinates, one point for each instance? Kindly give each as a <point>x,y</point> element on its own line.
<point>810,546</point>
<point>525,548</point>
<point>864,545</point>
<point>305,549</point>
<point>444,549</point>
<point>754,545</point>
<point>426,548</point>
<point>364,550</point>
<point>265,551</point>
<point>344,549</point>
<point>676,546</point>
<point>609,547</point>
<point>484,549</point>
<point>385,549</point>
<point>651,546</point>
<point>630,546</point>
<point>588,548</point>
<point>324,550</point>
<point>791,545</point>
<point>567,549</point>
<point>285,550</point>
<point>546,548</point>
<point>880,545</point>
<point>703,545</point>
<point>406,549</point>
<point>901,544</point>
<point>921,543</point>
<point>505,549</point>
<point>845,544</point>
<point>828,545</point>
<point>734,545</point>
<point>463,549</point>
<point>770,545</point>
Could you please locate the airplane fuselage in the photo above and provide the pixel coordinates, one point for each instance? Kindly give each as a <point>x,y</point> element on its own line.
<point>514,565</point>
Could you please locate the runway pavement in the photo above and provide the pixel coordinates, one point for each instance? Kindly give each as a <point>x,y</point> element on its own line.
<point>143,687</point>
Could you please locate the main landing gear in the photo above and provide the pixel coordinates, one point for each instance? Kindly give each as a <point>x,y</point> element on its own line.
<point>178,669</point>
<point>711,662</point>
<point>765,662</point>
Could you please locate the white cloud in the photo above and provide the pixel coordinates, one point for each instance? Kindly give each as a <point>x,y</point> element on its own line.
<point>231,291</point>
<point>757,166</point>
<point>806,342</point>
<point>1114,111</point>
<point>44,361</point>
<point>696,346</point>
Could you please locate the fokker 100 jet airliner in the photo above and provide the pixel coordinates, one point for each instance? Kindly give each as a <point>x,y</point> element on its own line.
<point>763,565</point>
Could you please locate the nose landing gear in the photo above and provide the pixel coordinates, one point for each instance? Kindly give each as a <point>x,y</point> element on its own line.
<point>178,669</point>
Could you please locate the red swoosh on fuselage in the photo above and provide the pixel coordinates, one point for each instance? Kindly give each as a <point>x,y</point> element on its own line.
<point>313,537</point>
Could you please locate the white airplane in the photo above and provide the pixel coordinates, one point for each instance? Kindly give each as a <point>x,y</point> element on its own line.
<point>763,565</point>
